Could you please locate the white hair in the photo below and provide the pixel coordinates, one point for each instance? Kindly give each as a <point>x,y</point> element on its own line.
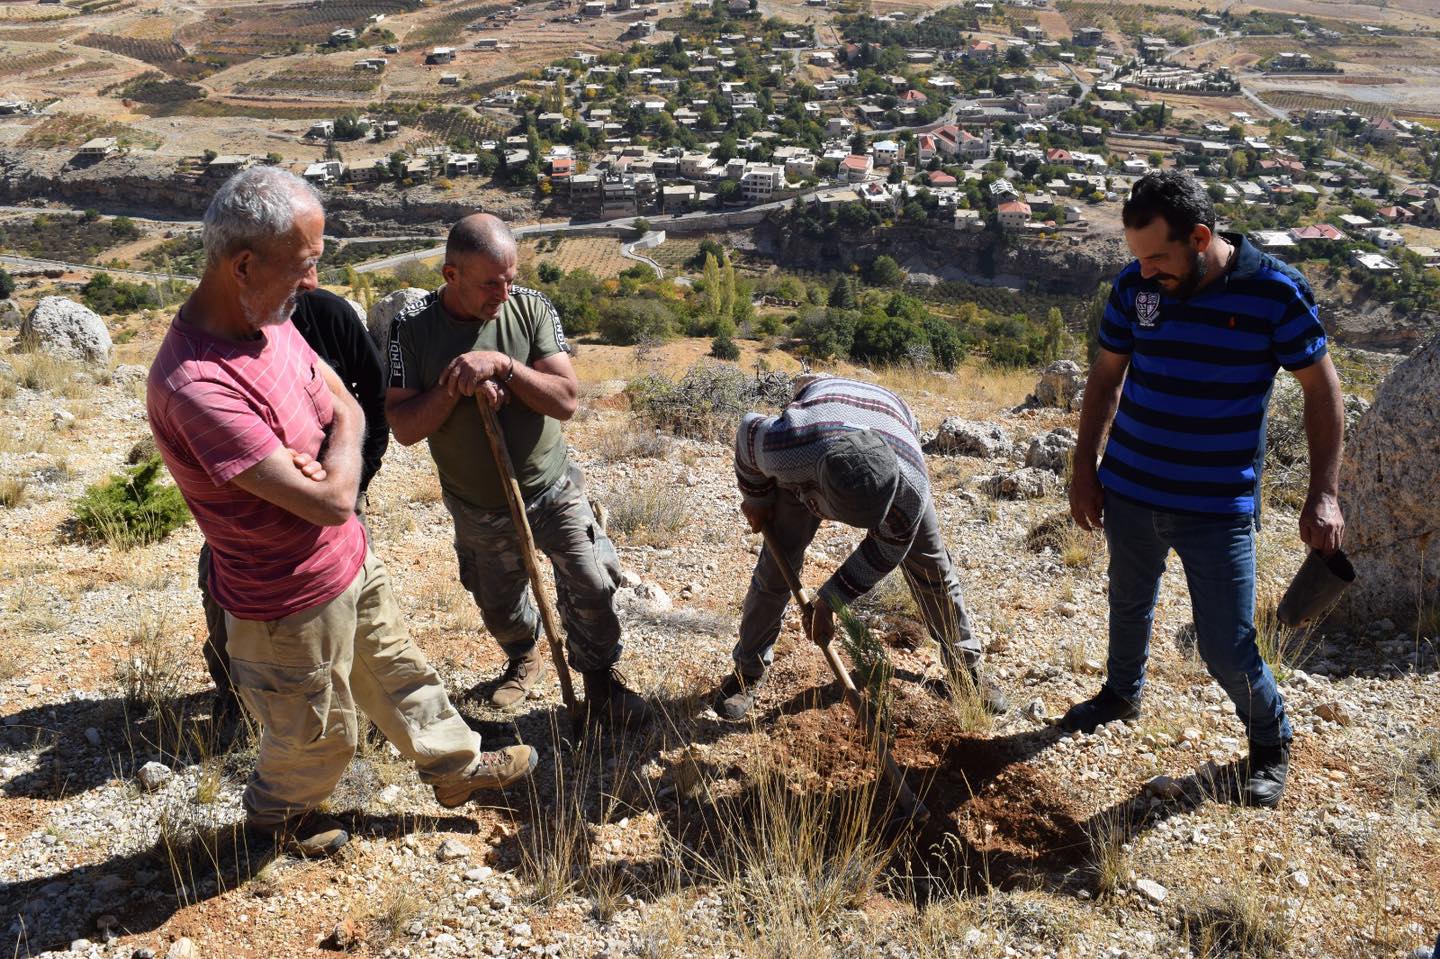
<point>252,207</point>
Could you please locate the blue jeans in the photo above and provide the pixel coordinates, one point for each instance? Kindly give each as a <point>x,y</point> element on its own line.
<point>1218,555</point>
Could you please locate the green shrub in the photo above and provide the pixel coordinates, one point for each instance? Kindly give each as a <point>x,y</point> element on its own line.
<point>105,294</point>
<point>130,508</point>
<point>7,285</point>
<point>723,347</point>
<point>625,322</point>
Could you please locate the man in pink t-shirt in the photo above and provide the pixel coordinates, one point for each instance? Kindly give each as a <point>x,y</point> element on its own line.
<point>264,442</point>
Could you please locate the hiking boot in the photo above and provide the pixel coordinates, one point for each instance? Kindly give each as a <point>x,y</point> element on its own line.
<point>520,675</point>
<point>737,695</point>
<point>609,700</point>
<point>973,678</point>
<point>1104,707</point>
<point>310,835</point>
<point>492,770</point>
<point>1268,768</point>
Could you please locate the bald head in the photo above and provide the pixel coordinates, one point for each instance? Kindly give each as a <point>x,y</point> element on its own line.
<point>483,235</point>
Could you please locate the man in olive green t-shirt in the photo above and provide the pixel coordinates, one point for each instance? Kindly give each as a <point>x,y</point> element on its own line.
<point>480,335</point>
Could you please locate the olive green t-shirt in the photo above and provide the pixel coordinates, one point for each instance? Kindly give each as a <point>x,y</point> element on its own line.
<point>424,339</point>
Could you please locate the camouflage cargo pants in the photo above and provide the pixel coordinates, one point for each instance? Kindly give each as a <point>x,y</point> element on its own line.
<point>587,572</point>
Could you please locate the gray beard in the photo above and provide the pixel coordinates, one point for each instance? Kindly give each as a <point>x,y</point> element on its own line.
<point>259,319</point>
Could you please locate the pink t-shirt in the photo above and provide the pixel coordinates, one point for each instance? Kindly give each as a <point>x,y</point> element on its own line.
<point>217,408</point>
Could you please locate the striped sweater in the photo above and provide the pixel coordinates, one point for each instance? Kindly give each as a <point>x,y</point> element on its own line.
<point>783,453</point>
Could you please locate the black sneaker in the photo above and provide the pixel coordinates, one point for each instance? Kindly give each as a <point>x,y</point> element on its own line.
<point>737,696</point>
<point>1268,768</point>
<point>609,700</point>
<point>1104,707</point>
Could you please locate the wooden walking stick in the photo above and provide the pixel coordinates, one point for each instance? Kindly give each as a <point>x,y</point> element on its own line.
<point>910,806</point>
<point>527,549</point>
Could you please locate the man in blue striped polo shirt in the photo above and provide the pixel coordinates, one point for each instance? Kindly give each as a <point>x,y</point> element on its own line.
<point>1190,343</point>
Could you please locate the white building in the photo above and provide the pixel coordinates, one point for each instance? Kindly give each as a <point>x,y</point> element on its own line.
<point>1013,215</point>
<point>760,181</point>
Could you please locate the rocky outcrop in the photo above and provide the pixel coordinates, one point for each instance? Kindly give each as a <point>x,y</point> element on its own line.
<point>1051,451</point>
<point>1027,483</point>
<point>957,437</point>
<point>385,309</point>
<point>1387,490</point>
<point>10,315</point>
<point>1059,384</point>
<point>66,329</point>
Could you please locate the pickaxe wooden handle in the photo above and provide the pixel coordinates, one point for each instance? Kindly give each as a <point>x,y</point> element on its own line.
<point>910,806</point>
<point>527,549</point>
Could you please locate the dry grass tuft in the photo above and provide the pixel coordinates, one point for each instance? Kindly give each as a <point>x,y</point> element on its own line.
<point>397,910</point>
<point>12,492</point>
<point>1234,926</point>
<point>1283,649</point>
<point>44,373</point>
<point>647,515</point>
<point>1109,835</point>
<point>623,443</point>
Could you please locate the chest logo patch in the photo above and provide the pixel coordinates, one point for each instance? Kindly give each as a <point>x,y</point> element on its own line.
<point>1147,307</point>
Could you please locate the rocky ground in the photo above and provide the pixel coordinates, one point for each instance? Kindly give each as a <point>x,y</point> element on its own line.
<point>699,838</point>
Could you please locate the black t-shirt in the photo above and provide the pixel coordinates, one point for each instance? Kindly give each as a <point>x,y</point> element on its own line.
<point>332,329</point>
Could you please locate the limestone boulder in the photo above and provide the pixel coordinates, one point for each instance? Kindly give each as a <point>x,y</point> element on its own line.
<point>1051,451</point>
<point>385,309</point>
<point>958,437</point>
<point>1387,490</point>
<point>64,328</point>
<point>1027,483</point>
<point>1059,383</point>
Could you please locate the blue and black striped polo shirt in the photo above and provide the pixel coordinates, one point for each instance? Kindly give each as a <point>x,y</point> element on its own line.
<point>1189,434</point>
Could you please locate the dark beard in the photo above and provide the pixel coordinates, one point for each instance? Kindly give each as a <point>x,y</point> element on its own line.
<point>1198,268</point>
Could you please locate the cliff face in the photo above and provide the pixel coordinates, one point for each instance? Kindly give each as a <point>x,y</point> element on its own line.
<point>138,184</point>
<point>981,257</point>
<point>1371,325</point>
<point>143,184</point>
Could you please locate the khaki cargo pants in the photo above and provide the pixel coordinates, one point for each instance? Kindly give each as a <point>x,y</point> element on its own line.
<point>304,676</point>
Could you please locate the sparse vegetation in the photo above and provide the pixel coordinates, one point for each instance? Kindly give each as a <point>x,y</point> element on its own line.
<point>620,444</point>
<point>647,515</point>
<point>1234,925</point>
<point>12,492</point>
<point>707,401</point>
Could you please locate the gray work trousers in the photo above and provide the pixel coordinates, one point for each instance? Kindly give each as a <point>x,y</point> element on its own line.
<point>927,569</point>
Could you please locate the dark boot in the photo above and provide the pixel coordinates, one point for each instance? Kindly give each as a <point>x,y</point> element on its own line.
<point>1268,767</point>
<point>311,835</point>
<point>1104,707</point>
<point>967,681</point>
<point>737,695</point>
<point>609,700</point>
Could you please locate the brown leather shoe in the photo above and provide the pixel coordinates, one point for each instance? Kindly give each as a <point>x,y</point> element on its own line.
<point>493,770</point>
<point>311,835</point>
<point>519,676</point>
